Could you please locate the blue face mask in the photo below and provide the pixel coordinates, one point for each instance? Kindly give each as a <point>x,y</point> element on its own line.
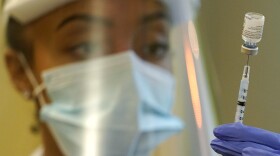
<point>118,105</point>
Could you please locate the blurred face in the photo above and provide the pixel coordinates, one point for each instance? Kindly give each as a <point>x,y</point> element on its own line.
<point>88,29</point>
<point>91,28</point>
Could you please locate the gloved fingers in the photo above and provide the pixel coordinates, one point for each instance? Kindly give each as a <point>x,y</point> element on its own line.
<point>250,151</point>
<point>235,148</point>
<point>239,132</point>
<point>224,148</point>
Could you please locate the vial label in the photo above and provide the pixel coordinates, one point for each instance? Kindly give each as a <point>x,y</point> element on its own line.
<point>253,33</point>
<point>253,27</point>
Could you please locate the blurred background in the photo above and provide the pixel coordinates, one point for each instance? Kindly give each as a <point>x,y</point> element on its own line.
<point>17,116</point>
<point>219,26</point>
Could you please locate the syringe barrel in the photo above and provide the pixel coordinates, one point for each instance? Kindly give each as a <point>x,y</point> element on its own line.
<point>242,95</point>
<point>239,115</point>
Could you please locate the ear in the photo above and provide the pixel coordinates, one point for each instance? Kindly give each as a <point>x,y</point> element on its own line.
<point>17,74</point>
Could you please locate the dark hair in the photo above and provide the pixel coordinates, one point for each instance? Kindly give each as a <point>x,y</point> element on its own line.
<point>16,38</point>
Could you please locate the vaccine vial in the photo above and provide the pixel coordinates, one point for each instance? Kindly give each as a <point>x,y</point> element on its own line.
<point>253,29</point>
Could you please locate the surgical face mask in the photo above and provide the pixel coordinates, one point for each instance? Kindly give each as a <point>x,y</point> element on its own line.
<point>118,105</point>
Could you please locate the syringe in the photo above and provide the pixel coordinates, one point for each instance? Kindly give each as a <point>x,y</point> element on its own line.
<point>242,96</point>
<point>252,34</point>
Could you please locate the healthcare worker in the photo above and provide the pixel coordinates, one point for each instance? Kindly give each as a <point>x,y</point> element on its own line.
<point>100,74</point>
<point>98,70</point>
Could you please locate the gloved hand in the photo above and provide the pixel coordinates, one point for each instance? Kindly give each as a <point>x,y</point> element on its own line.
<point>237,139</point>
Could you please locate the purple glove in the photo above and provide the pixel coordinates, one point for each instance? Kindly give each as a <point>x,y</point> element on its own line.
<point>250,151</point>
<point>239,140</point>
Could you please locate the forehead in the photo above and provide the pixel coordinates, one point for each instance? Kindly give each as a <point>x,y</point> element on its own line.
<point>113,9</point>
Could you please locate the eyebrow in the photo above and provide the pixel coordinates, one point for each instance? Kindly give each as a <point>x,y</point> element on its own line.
<point>85,18</point>
<point>155,16</point>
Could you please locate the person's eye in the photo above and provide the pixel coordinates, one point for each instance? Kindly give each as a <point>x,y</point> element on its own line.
<point>156,51</point>
<point>83,49</point>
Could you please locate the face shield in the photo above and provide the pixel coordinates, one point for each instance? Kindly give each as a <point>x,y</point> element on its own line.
<point>103,73</point>
<point>180,10</point>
